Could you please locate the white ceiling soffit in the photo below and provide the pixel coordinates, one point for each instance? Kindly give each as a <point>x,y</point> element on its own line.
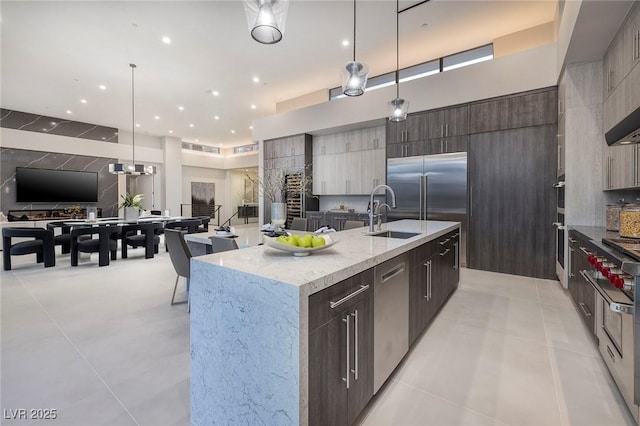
<point>56,53</point>
<point>597,24</point>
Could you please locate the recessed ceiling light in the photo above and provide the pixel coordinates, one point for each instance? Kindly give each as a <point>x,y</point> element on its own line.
<point>256,80</point>
<point>253,107</point>
<point>53,123</point>
<point>181,108</point>
<point>191,125</point>
<point>197,140</point>
<point>250,127</point>
<point>233,131</point>
<point>137,124</point>
<point>345,42</point>
<point>104,139</point>
<point>102,87</point>
<point>166,40</point>
<point>425,25</point>
<point>84,101</point>
<point>69,112</point>
<point>215,93</point>
<point>44,129</point>
<point>170,131</point>
<point>216,117</point>
<point>157,117</point>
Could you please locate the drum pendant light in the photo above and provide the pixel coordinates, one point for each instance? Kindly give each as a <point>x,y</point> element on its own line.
<point>266,19</point>
<point>132,169</point>
<point>354,74</point>
<point>398,107</point>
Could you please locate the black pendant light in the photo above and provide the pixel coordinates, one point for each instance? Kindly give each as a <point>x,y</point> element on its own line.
<point>398,107</point>
<point>132,169</point>
<point>355,74</point>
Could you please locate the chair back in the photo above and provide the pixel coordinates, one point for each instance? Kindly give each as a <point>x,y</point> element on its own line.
<point>178,252</point>
<point>189,225</point>
<point>220,244</point>
<point>298,224</point>
<point>352,224</point>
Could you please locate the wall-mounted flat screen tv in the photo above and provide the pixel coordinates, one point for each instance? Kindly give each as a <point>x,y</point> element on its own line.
<point>55,186</point>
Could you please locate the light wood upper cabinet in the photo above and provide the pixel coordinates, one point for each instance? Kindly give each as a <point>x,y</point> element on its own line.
<point>621,167</point>
<point>349,162</point>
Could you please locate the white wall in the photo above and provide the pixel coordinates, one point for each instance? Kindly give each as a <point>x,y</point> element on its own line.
<point>566,23</point>
<point>527,70</point>
<point>173,179</point>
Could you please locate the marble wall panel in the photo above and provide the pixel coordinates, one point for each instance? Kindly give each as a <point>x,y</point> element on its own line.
<point>12,158</point>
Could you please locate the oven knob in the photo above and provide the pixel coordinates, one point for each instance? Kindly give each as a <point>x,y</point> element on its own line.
<point>613,277</point>
<point>619,283</point>
<point>605,272</point>
<point>591,259</point>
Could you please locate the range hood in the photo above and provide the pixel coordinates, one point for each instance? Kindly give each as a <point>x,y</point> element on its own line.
<point>625,132</point>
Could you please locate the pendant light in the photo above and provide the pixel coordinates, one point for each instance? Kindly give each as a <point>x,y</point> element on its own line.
<point>398,107</point>
<point>132,169</point>
<point>354,74</point>
<point>266,19</point>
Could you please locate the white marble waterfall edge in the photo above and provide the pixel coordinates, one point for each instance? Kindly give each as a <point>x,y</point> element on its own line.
<point>244,348</point>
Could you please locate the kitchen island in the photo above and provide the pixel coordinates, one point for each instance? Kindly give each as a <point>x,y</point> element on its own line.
<point>250,321</point>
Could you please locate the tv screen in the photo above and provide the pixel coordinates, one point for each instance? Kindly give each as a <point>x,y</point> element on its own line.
<point>55,186</point>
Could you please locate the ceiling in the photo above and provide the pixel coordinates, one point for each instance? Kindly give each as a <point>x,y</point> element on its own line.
<point>55,54</point>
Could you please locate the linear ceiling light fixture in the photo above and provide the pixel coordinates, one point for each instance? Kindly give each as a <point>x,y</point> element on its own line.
<point>266,19</point>
<point>398,107</point>
<point>132,169</point>
<point>354,74</point>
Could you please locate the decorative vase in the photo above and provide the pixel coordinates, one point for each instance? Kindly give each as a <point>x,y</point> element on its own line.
<point>131,214</point>
<point>278,214</point>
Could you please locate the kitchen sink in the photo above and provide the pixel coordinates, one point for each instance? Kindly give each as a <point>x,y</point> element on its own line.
<point>395,234</point>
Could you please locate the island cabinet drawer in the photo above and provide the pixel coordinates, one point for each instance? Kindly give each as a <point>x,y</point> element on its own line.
<point>448,239</point>
<point>339,298</point>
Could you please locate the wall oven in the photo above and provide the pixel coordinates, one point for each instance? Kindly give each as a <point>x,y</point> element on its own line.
<point>561,244</point>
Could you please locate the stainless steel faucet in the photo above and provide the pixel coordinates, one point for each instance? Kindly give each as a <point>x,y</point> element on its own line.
<point>371,210</point>
<point>379,214</point>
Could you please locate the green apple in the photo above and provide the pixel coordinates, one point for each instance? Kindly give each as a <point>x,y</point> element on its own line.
<point>318,242</point>
<point>304,242</point>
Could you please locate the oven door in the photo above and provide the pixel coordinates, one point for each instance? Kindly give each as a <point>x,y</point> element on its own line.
<point>560,242</point>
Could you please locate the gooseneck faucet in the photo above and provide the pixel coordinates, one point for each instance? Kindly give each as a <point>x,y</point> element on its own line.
<point>371,210</point>
<point>380,214</point>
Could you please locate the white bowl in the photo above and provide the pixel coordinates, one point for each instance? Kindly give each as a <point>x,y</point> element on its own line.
<point>299,251</point>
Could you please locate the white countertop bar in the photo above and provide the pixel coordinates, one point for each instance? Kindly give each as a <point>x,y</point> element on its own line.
<point>249,322</point>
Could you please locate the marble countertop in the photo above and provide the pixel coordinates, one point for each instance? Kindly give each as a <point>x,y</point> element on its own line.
<point>354,253</point>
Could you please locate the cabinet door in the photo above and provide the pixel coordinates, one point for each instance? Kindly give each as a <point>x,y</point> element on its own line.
<point>534,109</point>
<point>353,141</point>
<point>621,169</point>
<point>380,161</point>
<point>353,166</point>
<point>415,127</point>
<point>418,303</point>
<point>455,144</point>
<point>361,364</point>
<point>319,174</point>
<point>328,399</point>
<point>396,150</point>
<point>489,116</point>
<point>614,106</point>
<point>432,146</point>
<point>574,272</point>
<point>434,125</point>
<point>395,132</point>
<point>512,201</point>
<point>372,172</point>
<point>632,86</point>
<point>456,121</point>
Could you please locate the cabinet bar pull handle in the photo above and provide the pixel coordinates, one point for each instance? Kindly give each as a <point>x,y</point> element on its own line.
<point>572,240</point>
<point>389,275</point>
<point>430,281</point>
<point>455,235</point>
<point>456,265</point>
<point>585,251</point>
<point>362,288</point>
<point>446,241</point>
<point>355,345</point>
<point>427,265</point>
<point>445,252</point>
<point>446,129</point>
<point>442,130</point>
<point>584,309</point>
<point>346,379</point>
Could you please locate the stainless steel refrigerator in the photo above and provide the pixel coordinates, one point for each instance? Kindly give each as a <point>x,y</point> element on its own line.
<point>431,187</point>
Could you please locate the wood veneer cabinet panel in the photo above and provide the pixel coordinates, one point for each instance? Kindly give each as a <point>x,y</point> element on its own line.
<point>512,202</point>
<point>489,116</point>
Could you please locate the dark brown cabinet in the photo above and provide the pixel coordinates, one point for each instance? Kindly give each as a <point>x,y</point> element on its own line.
<point>580,289</point>
<point>512,201</point>
<point>434,276</point>
<point>489,116</point>
<point>341,351</point>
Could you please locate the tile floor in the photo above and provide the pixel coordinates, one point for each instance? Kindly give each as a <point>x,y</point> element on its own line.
<point>104,347</point>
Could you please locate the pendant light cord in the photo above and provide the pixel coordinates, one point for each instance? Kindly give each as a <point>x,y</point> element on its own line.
<point>133,115</point>
<point>354,30</point>
<point>397,49</point>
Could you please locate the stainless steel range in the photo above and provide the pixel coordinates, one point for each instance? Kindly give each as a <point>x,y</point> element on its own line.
<point>614,275</point>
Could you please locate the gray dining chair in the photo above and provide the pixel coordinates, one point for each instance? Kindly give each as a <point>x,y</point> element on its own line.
<point>298,224</point>
<point>352,224</point>
<point>220,244</point>
<point>180,258</point>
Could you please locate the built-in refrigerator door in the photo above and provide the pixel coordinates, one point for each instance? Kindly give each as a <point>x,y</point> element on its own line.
<point>404,177</point>
<point>446,192</point>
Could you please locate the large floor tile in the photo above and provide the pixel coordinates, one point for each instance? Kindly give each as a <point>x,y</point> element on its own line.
<point>401,404</point>
<point>511,286</point>
<point>493,373</point>
<point>564,329</point>
<point>587,392</point>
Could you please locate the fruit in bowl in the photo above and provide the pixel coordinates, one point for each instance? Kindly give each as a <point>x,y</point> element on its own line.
<point>300,245</point>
